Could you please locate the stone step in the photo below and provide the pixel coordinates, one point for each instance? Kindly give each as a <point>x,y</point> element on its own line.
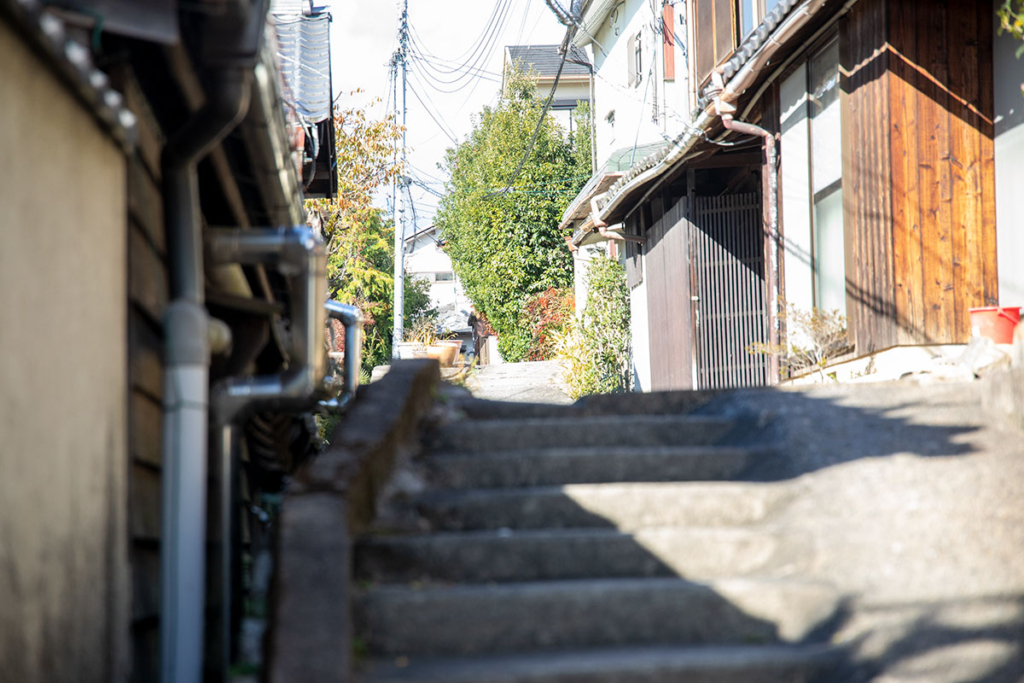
<point>475,436</point>
<point>479,620</point>
<point>621,506</point>
<point>711,664</point>
<point>647,403</point>
<point>589,465</point>
<point>482,556</point>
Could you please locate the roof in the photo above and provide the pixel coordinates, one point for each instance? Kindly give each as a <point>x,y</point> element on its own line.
<point>73,63</point>
<point>544,59</point>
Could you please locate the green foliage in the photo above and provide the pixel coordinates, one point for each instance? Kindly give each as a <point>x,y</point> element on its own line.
<point>595,349</point>
<point>360,239</point>
<point>501,229</point>
<point>416,303</point>
<point>545,315</point>
<point>1011,20</point>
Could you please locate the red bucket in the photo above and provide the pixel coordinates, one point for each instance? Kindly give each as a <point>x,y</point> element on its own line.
<point>995,322</point>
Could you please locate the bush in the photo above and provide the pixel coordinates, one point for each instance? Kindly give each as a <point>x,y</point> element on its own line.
<point>595,349</point>
<point>545,315</point>
<point>814,338</point>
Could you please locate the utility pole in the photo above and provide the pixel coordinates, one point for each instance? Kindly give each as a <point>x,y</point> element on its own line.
<point>399,306</point>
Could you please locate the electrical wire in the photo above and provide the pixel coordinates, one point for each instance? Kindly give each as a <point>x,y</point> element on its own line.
<point>544,112</point>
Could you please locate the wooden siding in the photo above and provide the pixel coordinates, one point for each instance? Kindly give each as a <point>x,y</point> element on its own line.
<point>919,201</point>
<point>918,169</point>
<point>668,300</point>
<point>867,191</point>
<point>148,293</point>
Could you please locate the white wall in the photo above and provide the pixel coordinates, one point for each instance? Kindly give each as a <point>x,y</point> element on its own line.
<point>1009,152</point>
<point>65,590</point>
<point>424,260</point>
<point>640,335</point>
<point>634,106</point>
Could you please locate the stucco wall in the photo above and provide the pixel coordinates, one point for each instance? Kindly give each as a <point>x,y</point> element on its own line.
<point>634,105</point>
<point>64,581</point>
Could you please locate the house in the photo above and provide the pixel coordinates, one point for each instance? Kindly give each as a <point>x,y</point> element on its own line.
<point>426,260</point>
<point>153,172</point>
<point>642,101</point>
<point>575,83</point>
<point>841,155</point>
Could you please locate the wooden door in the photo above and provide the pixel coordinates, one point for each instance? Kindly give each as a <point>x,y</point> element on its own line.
<point>669,315</point>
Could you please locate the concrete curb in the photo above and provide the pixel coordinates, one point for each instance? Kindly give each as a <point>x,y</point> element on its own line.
<point>309,635</point>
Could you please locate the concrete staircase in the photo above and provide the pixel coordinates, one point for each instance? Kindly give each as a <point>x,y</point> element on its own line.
<point>593,548</point>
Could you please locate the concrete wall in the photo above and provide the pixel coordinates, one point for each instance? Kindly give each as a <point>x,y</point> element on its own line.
<point>1009,151</point>
<point>64,580</point>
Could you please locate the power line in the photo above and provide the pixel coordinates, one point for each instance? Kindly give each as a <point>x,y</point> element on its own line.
<point>442,126</point>
<point>544,112</point>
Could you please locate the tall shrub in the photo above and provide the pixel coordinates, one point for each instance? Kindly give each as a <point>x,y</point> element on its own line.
<point>595,349</point>
<point>499,222</point>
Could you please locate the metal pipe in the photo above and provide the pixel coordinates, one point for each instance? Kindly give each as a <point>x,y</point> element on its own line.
<point>352,319</point>
<point>187,381</point>
<point>299,254</point>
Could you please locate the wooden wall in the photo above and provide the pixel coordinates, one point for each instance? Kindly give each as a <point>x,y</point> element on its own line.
<point>148,292</point>
<point>668,294</point>
<point>918,185</point>
<point>867,169</point>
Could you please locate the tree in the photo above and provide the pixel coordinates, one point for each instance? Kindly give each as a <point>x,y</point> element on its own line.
<point>359,236</point>
<point>500,225</point>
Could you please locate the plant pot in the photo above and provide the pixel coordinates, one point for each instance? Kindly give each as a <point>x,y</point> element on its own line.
<point>408,350</point>
<point>444,353</point>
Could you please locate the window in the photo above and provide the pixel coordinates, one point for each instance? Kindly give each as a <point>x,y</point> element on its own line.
<point>827,179</point>
<point>752,13</point>
<point>444,277</point>
<point>812,182</point>
<point>715,34</point>
<point>634,49</point>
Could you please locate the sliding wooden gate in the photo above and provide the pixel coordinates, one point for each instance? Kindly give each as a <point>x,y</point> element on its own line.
<point>706,294</point>
<point>727,243</point>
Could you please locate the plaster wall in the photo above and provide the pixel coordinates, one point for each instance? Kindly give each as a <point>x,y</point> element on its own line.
<point>640,337</point>
<point>634,106</point>
<point>64,579</point>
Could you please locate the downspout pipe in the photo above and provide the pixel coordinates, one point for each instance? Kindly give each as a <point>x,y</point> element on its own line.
<point>726,111</point>
<point>186,381</point>
<point>602,226</point>
<point>298,254</point>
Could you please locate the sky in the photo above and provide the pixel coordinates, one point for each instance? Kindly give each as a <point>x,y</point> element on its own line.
<point>448,33</point>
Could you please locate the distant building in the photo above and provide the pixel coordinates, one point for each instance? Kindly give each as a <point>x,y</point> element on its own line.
<point>574,85</point>
<point>425,259</point>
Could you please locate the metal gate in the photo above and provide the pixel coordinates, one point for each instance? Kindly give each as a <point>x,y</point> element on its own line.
<point>730,312</point>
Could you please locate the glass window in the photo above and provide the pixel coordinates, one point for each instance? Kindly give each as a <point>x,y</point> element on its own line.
<point>445,277</point>
<point>748,16</point>
<point>827,179</point>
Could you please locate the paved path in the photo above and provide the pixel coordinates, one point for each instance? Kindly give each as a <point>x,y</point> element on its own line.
<point>534,382</point>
